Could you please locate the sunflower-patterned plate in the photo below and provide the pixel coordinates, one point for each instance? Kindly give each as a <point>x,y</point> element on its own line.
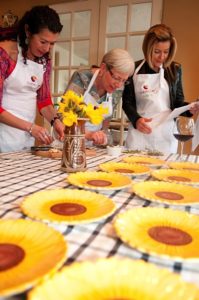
<point>125,168</point>
<point>158,231</point>
<point>167,192</point>
<point>67,206</point>
<point>184,165</point>
<point>144,160</point>
<point>29,251</point>
<point>99,180</point>
<point>114,278</point>
<point>178,176</point>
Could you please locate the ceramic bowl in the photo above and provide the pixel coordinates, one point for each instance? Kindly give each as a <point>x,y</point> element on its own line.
<point>114,150</point>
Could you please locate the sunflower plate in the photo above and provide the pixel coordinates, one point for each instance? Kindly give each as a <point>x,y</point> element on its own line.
<point>99,180</point>
<point>162,232</point>
<point>167,192</point>
<point>125,168</point>
<point>67,206</point>
<point>113,278</point>
<point>178,176</point>
<point>144,160</point>
<point>184,165</point>
<point>29,251</point>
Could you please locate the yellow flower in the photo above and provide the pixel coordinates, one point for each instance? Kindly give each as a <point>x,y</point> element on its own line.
<point>72,107</point>
<point>70,95</point>
<point>95,114</point>
<point>68,118</point>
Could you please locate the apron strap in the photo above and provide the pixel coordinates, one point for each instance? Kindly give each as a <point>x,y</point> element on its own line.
<point>91,82</point>
<point>139,67</point>
<point>162,79</point>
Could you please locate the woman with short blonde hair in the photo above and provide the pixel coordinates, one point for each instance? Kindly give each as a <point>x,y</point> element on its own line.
<point>98,85</point>
<point>120,60</point>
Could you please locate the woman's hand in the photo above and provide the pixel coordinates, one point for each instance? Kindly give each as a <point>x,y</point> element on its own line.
<point>98,137</point>
<point>142,126</point>
<point>194,108</point>
<point>41,134</point>
<point>59,129</point>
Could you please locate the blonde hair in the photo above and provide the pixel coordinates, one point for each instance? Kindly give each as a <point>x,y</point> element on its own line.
<point>120,60</point>
<point>155,34</point>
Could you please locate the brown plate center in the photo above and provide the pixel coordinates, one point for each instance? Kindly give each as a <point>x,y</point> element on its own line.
<point>179,178</point>
<point>170,235</point>
<point>10,255</point>
<point>124,170</point>
<point>99,182</point>
<point>169,195</point>
<point>68,209</point>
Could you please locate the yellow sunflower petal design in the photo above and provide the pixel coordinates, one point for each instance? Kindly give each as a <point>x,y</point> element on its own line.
<point>167,192</point>
<point>125,168</point>
<point>178,176</point>
<point>99,180</point>
<point>114,279</point>
<point>29,251</point>
<point>145,160</point>
<point>67,206</point>
<point>159,231</point>
<point>185,165</point>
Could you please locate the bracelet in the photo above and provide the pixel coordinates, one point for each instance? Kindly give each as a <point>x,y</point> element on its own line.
<point>31,128</point>
<point>53,120</point>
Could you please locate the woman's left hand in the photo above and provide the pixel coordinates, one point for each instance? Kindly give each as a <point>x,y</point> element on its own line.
<point>59,128</point>
<point>194,108</point>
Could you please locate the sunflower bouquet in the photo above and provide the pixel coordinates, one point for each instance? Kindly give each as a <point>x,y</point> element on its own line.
<point>72,107</point>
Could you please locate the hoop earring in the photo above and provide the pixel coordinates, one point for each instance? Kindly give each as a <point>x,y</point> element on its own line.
<point>26,41</point>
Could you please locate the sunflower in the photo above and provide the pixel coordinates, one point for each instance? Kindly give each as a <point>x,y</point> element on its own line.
<point>146,160</point>
<point>95,114</point>
<point>114,279</point>
<point>185,165</point>
<point>67,206</point>
<point>29,251</point>
<point>72,107</point>
<point>160,231</point>
<point>167,192</point>
<point>178,176</point>
<point>99,180</point>
<point>125,168</point>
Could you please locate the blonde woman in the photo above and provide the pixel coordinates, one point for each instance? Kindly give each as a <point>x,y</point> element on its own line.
<point>98,85</point>
<point>156,86</point>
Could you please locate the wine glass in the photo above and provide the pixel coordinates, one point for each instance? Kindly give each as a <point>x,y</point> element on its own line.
<point>183,131</point>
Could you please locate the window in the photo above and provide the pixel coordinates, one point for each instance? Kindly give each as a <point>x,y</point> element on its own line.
<point>91,28</point>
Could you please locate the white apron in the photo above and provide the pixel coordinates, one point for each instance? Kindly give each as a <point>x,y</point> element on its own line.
<point>106,104</point>
<point>19,98</point>
<point>152,97</point>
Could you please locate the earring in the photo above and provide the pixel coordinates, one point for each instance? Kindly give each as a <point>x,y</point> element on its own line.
<point>26,41</point>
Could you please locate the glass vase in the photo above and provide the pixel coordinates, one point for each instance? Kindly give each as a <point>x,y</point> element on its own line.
<point>74,151</point>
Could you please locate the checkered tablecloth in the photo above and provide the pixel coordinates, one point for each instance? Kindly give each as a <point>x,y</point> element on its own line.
<point>23,173</point>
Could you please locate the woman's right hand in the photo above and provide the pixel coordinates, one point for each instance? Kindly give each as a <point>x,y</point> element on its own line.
<point>41,134</point>
<point>142,126</point>
<point>98,137</point>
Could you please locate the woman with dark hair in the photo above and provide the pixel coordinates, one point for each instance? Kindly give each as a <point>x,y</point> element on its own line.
<point>24,79</point>
<point>155,87</point>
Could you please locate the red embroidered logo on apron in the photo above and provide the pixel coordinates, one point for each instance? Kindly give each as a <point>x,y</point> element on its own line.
<point>33,78</point>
